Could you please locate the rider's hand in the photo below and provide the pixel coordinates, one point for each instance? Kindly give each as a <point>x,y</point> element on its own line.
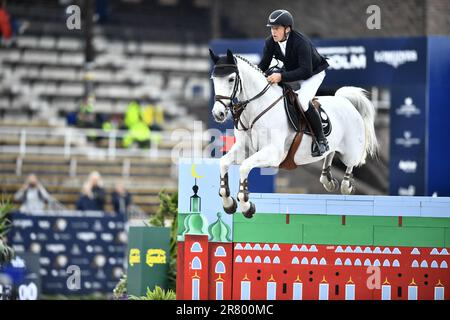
<point>274,78</point>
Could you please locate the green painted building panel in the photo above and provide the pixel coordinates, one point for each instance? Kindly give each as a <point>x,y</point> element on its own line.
<point>409,236</point>
<point>267,232</point>
<point>326,234</point>
<point>261,218</point>
<point>371,221</point>
<point>426,222</point>
<point>180,220</point>
<point>316,219</point>
<point>447,237</point>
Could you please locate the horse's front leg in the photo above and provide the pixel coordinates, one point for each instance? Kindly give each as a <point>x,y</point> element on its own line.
<point>269,156</point>
<point>234,156</point>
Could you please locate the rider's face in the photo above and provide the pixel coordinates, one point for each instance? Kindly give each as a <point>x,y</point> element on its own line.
<point>278,33</point>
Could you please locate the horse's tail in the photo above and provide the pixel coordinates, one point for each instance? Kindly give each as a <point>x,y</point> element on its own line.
<point>358,97</point>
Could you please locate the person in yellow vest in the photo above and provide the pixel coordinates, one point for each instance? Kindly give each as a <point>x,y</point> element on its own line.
<point>138,130</point>
<point>132,114</point>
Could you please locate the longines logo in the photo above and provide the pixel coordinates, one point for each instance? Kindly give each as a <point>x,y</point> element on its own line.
<point>410,191</point>
<point>395,58</point>
<point>407,140</point>
<point>408,109</point>
<point>407,166</point>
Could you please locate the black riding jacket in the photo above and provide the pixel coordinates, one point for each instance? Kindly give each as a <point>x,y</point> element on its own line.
<point>301,62</point>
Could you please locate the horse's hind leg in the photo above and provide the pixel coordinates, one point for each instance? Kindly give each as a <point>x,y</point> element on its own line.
<point>330,183</point>
<point>348,184</point>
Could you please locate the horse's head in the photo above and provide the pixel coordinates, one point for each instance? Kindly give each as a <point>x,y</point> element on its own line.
<point>225,76</point>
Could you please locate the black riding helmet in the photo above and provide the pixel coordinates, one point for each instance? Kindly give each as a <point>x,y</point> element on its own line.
<point>280,17</point>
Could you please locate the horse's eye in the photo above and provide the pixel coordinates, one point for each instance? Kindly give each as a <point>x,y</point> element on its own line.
<point>230,80</point>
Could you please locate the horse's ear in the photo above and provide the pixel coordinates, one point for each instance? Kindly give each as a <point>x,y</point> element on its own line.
<point>230,58</point>
<point>213,56</point>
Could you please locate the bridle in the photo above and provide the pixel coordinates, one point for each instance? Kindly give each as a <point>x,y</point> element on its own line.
<point>237,107</point>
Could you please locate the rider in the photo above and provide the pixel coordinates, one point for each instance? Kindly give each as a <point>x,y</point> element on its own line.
<point>302,63</point>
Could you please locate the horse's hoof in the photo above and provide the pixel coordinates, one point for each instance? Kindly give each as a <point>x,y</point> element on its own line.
<point>348,189</point>
<point>332,186</point>
<point>335,185</point>
<point>232,209</point>
<point>250,212</point>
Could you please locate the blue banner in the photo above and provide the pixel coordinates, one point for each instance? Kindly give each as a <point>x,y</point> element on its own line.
<point>79,252</point>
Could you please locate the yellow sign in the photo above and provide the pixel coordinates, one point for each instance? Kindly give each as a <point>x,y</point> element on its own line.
<point>135,256</point>
<point>156,256</point>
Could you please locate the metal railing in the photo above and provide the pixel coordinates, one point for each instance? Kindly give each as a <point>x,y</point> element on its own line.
<point>76,142</point>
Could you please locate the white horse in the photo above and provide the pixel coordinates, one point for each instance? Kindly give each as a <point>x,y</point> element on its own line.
<point>269,136</point>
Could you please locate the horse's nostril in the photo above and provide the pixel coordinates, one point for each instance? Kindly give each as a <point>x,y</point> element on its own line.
<point>222,114</point>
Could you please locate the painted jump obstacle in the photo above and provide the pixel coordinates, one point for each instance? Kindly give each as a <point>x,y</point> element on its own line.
<point>327,247</point>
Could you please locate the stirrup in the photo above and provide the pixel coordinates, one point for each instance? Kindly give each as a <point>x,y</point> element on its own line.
<point>316,149</point>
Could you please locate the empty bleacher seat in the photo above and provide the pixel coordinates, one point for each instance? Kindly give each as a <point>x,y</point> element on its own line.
<point>27,42</point>
<point>76,59</point>
<point>102,75</point>
<point>48,43</point>
<point>48,73</point>
<point>65,104</point>
<point>113,91</point>
<point>161,48</point>
<point>26,71</point>
<point>10,55</point>
<point>175,85</point>
<point>100,43</point>
<point>132,47</point>
<point>46,88</point>
<point>70,44</point>
<point>71,89</point>
<point>40,57</point>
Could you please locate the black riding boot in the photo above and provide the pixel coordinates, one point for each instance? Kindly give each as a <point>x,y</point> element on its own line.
<point>321,145</point>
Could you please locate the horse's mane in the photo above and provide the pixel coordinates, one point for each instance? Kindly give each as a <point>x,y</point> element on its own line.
<point>255,67</point>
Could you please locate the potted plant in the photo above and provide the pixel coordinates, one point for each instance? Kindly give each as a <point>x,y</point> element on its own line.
<point>157,294</point>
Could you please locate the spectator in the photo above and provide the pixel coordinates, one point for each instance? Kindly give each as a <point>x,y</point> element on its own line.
<point>5,24</point>
<point>153,116</point>
<point>138,131</point>
<point>32,195</point>
<point>86,116</point>
<point>121,200</point>
<point>92,195</point>
<point>132,114</point>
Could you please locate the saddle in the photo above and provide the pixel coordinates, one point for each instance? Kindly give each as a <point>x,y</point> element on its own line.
<point>299,123</point>
<point>296,116</point>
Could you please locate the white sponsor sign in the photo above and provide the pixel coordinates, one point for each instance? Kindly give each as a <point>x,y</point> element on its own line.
<point>410,191</point>
<point>408,109</point>
<point>407,140</point>
<point>346,58</point>
<point>407,166</point>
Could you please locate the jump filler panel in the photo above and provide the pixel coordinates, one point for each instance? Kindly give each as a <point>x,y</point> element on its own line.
<point>326,247</point>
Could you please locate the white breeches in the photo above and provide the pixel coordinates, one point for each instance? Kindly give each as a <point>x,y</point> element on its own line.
<point>309,89</point>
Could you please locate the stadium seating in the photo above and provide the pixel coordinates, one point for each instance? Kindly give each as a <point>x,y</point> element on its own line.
<point>42,78</point>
